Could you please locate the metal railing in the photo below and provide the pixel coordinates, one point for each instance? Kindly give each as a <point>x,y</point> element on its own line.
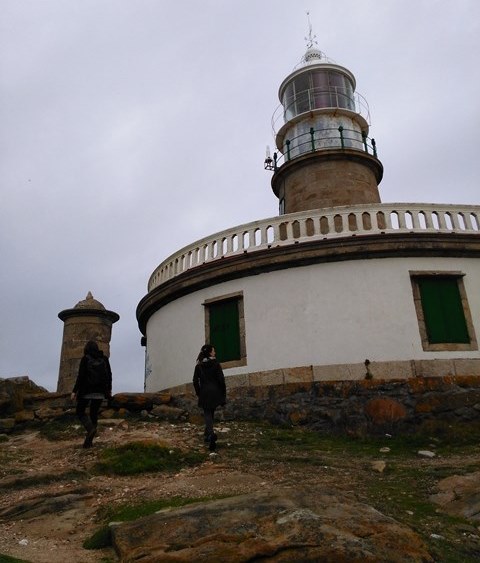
<point>319,224</point>
<point>321,139</point>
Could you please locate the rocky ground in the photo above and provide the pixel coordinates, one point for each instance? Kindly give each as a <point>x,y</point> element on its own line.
<point>51,500</point>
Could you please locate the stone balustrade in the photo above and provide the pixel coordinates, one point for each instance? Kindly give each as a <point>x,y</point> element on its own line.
<point>318,224</point>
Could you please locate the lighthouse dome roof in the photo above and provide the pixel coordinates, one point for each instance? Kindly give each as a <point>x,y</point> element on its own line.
<point>313,55</point>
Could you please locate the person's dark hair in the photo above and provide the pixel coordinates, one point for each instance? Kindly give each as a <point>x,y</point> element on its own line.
<point>91,349</point>
<point>205,352</point>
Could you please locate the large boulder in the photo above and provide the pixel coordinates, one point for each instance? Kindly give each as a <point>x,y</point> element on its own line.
<point>459,495</point>
<point>290,525</point>
<point>14,391</point>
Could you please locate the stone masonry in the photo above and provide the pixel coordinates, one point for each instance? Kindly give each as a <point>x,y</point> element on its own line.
<point>88,320</point>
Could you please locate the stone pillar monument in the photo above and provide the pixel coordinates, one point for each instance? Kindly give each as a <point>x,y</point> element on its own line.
<point>88,320</point>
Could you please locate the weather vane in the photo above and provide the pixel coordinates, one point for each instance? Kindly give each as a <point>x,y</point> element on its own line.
<point>311,39</point>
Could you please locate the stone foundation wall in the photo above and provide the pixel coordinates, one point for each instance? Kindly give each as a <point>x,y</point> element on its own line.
<point>356,407</point>
<point>360,407</point>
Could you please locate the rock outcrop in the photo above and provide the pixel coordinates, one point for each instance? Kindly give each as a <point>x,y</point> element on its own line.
<point>291,525</point>
<point>459,495</point>
<point>13,391</point>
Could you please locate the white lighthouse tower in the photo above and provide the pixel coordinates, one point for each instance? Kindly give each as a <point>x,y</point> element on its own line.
<point>339,284</point>
<point>326,157</point>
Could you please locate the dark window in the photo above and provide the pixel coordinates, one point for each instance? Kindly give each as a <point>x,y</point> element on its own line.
<point>443,310</point>
<point>225,330</point>
<point>443,313</point>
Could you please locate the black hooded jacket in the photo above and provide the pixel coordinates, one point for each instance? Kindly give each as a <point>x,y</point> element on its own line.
<point>83,386</point>
<point>209,383</point>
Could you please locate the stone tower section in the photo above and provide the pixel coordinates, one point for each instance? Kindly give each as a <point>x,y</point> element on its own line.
<point>325,157</point>
<point>88,320</point>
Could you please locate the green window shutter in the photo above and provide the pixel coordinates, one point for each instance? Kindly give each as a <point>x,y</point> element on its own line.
<point>225,330</point>
<point>443,310</point>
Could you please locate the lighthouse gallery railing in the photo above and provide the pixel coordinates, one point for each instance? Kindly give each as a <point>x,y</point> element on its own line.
<point>318,224</point>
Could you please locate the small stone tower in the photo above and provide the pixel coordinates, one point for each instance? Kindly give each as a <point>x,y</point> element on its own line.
<point>88,320</point>
<point>325,157</point>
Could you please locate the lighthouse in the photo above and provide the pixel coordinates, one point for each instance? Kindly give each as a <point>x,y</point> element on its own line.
<point>336,286</point>
<point>325,156</point>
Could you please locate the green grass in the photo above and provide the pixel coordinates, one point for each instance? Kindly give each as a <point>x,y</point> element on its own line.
<point>57,430</point>
<point>23,482</point>
<point>8,559</point>
<point>298,440</point>
<point>98,540</point>
<point>128,512</point>
<point>403,493</point>
<point>445,441</point>
<point>142,457</point>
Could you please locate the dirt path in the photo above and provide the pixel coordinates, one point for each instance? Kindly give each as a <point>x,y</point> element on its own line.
<point>53,530</point>
<point>58,537</point>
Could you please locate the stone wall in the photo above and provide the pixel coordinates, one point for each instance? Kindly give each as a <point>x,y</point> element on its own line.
<point>356,407</point>
<point>346,407</point>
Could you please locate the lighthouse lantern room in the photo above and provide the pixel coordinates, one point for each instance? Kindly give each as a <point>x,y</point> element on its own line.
<point>325,156</point>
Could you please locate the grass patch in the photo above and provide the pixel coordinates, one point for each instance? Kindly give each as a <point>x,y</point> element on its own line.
<point>57,430</point>
<point>3,438</point>
<point>142,457</point>
<point>276,442</point>
<point>24,482</point>
<point>100,539</point>
<point>281,441</point>
<point>8,559</point>
<point>128,512</point>
<point>454,438</point>
<point>403,493</point>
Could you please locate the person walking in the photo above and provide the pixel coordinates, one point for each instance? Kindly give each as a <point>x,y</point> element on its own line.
<point>93,385</point>
<point>209,384</point>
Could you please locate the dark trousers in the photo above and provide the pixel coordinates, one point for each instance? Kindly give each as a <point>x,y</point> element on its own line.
<point>82,405</point>
<point>209,415</point>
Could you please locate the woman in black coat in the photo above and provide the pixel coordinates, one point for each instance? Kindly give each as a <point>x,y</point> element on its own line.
<point>209,383</point>
<point>93,385</point>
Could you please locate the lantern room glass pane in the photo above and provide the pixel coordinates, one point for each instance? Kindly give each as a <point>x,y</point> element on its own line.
<point>315,89</point>
<point>302,86</point>
<point>342,90</point>
<point>288,101</point>
<point>321,91</point>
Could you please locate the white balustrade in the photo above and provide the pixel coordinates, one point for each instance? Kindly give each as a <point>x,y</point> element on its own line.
<point>318,224</point>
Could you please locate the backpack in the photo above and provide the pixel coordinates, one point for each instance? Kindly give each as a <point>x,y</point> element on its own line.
<point>96,373</point>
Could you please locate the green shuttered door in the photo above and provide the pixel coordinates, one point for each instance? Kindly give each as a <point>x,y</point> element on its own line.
<point>225,330</point>
<point>443,311</point>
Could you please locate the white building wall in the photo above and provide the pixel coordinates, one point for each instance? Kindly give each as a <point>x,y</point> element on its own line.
<point>323,314</point>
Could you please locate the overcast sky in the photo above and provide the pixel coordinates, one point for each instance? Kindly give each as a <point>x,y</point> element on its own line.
<point>130,128</point>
